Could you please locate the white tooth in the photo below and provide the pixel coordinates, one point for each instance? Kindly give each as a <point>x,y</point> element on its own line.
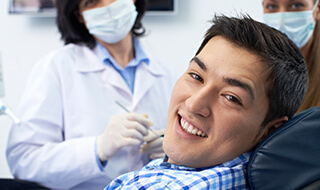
<point>194,131</point>
<point>185,126</point>
<point>190,129</point>
<point>182,123</point>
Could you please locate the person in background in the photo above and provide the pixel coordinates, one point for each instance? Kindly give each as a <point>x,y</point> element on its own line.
<point>239,87</point>
<point>73,134</point>
<point>299,20</point>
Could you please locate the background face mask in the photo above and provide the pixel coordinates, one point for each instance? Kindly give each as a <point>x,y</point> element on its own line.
<point>112,23</point>
<point>298,26</point>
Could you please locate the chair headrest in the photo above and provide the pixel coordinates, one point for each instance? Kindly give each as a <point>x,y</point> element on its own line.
<point>289,158</point>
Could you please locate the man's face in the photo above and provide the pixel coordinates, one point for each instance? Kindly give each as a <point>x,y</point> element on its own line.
<point>217,107</point>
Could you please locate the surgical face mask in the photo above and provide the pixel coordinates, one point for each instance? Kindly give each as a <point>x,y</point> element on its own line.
<point>111,23</point>
<point>298,26</point>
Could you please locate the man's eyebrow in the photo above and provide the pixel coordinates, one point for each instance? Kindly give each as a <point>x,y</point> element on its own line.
<point>238,83</point>
<point>200,63</point>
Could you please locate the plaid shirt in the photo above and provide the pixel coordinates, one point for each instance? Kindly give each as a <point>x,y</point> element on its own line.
<point>163,175</point>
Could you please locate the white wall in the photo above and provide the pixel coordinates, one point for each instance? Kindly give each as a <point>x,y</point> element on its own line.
<point>173,39</point>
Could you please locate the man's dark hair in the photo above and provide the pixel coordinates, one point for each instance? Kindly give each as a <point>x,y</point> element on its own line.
<point>73,31</point>
<point>287,79</point>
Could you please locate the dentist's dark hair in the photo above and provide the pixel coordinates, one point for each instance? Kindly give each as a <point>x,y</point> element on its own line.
<point>287,75</point>
<point>72,30</point>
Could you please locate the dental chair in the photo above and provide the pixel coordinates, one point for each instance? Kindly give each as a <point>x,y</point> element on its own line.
<point>289,158</point>
<point>16,184</point>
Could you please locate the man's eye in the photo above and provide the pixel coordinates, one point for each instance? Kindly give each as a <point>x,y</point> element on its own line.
<point>233,99</point>
<point>196,77</point>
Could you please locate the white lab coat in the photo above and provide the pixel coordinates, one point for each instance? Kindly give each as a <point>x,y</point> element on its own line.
<point>69,99</point>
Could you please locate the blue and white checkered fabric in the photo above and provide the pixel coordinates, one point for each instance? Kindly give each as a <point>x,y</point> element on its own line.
<point>162,175</point>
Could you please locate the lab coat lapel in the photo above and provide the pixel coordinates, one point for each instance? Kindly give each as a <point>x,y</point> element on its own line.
<point>146,76</point>
<point>114,78</point>
<point>88,61</point>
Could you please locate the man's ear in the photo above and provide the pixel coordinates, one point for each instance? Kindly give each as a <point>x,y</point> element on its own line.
<point>273,125</point>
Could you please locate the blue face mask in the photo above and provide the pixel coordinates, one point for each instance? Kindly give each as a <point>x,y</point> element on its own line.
<point>298,26</point>
<point>111,23</point>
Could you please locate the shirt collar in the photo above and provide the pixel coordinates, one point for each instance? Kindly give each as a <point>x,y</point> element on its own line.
<point>140,56</point>
<point>242,159</point>
<point>96,63</point>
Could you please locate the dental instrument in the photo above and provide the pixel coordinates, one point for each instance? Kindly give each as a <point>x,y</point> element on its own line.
<point>153,131</point>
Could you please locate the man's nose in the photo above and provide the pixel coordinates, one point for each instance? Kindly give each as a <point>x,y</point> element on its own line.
<point>200,102</point>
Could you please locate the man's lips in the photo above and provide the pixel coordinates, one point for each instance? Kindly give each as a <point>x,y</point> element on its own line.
<point>190,129</point>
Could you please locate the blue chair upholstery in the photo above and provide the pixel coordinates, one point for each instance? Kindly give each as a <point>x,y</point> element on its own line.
<point>289,158</point>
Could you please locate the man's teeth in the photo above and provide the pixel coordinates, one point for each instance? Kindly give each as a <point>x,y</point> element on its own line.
<point>191,129</point>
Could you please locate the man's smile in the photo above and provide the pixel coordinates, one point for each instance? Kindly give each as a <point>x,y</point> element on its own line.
<point>190,129</point>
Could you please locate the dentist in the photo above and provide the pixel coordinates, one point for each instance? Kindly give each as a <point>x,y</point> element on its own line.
<point>299,19</point>
<point>72,134</point>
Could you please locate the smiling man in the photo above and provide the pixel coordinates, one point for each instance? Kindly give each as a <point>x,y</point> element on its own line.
<point>245,80</point>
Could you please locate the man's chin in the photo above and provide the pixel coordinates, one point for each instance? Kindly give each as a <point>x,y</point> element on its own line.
<point>178,159</point>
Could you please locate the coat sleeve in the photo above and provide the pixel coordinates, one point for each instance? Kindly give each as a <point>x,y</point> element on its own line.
<point>37,149</point>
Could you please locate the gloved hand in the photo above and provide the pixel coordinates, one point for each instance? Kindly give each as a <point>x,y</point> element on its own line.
<point>122,130</point>
<point>153,145</point>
